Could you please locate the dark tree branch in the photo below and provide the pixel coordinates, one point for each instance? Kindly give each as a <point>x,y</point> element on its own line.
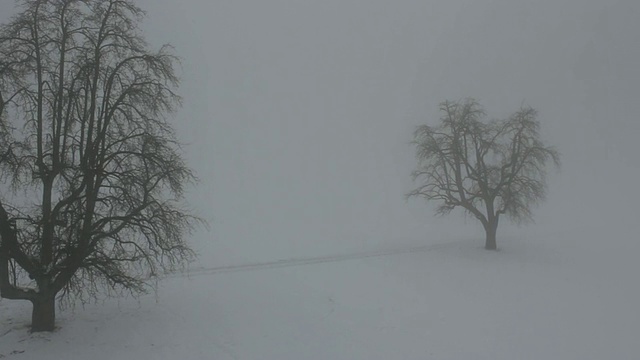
<point>488,169</point>
<point>87,102</point>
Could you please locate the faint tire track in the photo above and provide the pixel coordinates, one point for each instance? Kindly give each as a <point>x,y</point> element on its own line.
<point>304,261</point>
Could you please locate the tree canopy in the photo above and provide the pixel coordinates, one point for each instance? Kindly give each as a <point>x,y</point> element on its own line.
<point>488,168</point>
<point>93,177</point>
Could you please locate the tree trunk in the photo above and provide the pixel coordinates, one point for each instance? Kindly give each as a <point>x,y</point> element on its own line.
<point>491,229</point>
<point>43,317</point>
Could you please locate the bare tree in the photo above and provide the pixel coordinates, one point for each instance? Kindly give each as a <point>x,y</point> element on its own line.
<point>488,169</point>
<point>96,171</point>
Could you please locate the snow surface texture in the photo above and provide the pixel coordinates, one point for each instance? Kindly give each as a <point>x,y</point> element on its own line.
<point>552,298</point>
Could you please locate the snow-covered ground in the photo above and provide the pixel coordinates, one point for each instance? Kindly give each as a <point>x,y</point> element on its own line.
<point>564,295</point>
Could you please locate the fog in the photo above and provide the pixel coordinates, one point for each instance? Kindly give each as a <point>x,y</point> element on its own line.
<point>298,117</point>
<point>298,114</point>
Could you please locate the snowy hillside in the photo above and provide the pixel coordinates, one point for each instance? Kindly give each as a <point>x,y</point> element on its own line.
<point>550,299</point>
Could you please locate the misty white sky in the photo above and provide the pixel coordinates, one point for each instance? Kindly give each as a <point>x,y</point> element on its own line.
<point>299,112</point>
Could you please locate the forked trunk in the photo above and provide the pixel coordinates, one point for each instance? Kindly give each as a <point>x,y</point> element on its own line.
<point>43,317</point>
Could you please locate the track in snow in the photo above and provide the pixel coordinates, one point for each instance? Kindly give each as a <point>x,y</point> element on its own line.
<point>305,261</point>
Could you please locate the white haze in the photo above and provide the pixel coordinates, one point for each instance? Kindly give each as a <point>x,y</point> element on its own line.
<point>299,113</point>
<point>298,116</point>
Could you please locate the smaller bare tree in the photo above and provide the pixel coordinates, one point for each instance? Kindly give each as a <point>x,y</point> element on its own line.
<point>487,168</point>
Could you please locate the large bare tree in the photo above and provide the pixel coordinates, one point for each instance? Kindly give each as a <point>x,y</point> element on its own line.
<point>92,174</point>
<point>488,169</point>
